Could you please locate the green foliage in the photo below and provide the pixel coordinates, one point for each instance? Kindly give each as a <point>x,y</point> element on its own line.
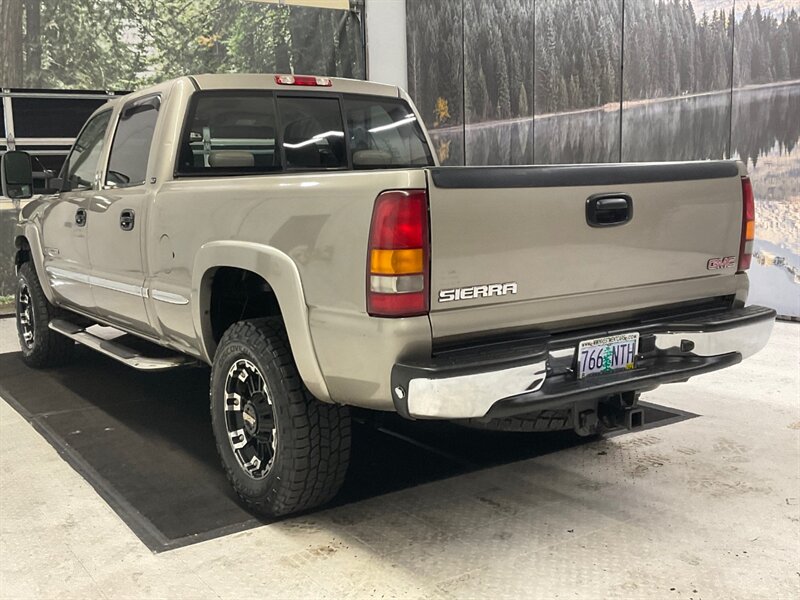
<point>123,44</point>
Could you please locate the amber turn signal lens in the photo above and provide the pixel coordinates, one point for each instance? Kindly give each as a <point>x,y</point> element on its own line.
<point>397,262</point>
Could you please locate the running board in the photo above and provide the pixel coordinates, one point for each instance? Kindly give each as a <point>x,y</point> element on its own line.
<point>118,351</point>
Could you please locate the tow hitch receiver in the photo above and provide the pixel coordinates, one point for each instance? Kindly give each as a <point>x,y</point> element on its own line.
<point>634,418</point>
<point>620,410</point>
<point>609,414</point>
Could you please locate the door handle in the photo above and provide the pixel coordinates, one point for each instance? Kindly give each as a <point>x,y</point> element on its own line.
<point>605,210</point>
<point>127,219</point>
<point>80,217</point>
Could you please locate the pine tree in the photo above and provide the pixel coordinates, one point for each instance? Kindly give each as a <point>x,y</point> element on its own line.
<point>522,103</point>
<point>503,110</point>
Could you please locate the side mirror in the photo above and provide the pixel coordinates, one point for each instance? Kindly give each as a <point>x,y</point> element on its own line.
<point>16,175</point>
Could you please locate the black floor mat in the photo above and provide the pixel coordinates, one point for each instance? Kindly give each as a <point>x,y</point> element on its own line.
<point>144,442</point>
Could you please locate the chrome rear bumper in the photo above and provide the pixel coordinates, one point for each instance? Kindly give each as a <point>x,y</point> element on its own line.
<point>539,374</point>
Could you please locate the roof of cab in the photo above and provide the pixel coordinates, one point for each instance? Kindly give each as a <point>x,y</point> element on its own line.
<point>258,81</point>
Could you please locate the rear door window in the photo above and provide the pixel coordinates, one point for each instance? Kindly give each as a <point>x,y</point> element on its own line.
<point>384,134</point>
<point>130,150</point>
<point>313,133</point>
<point>230,132</point>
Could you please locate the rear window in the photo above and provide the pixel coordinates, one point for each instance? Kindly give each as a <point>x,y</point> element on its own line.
<point>261,132</point>
<point>313,134</point>
<point>385,134</point>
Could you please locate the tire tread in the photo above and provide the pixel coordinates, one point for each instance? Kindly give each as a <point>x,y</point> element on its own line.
<point>541,421</point>
<point>320,433</point>
<point>50,349</point>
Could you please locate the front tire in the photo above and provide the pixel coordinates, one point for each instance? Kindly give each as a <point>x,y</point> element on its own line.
<point>41,346</point>
<point>283,450</point>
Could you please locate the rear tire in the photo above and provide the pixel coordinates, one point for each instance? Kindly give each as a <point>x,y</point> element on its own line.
<point>41,346</point>
<point>283,450</point>
<point>541,421</point>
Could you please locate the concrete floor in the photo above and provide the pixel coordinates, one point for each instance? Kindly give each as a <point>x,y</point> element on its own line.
<point>705,508</point>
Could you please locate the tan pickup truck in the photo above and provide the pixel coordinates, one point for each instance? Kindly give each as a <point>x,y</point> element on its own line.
<point>297,234</point>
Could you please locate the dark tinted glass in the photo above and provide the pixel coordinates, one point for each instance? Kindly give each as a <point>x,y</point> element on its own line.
<point>313,134</point>
<point>52,117</point>
<point>130,149</point>
<point>230,133</point>
<point>385,134</point>
<point>82,160</point>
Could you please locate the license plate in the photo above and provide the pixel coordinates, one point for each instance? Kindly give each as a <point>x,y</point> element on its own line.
<point>607,354</point>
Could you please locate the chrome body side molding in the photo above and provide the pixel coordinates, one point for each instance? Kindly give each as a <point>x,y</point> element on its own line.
<point>109,284</point>
<point>168,297</point>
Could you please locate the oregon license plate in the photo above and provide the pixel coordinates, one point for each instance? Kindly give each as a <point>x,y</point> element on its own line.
<point>607,354</point>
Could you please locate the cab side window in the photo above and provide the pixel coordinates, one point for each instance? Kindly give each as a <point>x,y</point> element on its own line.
<point>81,164</point>
<point>130,150</point>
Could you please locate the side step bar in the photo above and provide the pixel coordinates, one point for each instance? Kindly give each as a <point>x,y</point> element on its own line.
<point>117,351</point>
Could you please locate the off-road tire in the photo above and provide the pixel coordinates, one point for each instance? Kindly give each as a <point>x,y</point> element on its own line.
<point>541,421</point>
<point>48,348</point>
<point>312,447</point>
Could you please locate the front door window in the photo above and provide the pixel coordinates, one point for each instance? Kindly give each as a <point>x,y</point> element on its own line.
<point>81,164</point>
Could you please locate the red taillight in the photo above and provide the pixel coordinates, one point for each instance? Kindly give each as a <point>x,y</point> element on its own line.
<point>748,225</point>
<point>308,80</point>
<point>398,255</point>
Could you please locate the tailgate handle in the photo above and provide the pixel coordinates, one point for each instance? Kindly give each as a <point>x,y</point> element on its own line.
<point>605,210</point>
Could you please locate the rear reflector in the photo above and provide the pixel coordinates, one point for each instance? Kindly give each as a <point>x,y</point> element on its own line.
<point>397,305</point>
<point>398,256</point>
<point>307,80</point>
<point>748,225</point>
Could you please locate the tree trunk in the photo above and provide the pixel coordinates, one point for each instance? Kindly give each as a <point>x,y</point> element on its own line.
<point>33,43</point>
<point>11,43</point>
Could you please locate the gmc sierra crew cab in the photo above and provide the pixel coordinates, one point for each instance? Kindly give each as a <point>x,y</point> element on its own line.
<point>297,234</point>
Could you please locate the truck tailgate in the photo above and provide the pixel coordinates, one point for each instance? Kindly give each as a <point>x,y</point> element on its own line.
<point>513,247</point>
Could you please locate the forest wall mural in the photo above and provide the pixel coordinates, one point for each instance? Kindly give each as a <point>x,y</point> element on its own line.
<point>125,44</point>
<point>577,81</point>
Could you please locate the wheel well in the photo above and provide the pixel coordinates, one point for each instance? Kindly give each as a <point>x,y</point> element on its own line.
<point>23,253</point>
<point>238,294</point>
